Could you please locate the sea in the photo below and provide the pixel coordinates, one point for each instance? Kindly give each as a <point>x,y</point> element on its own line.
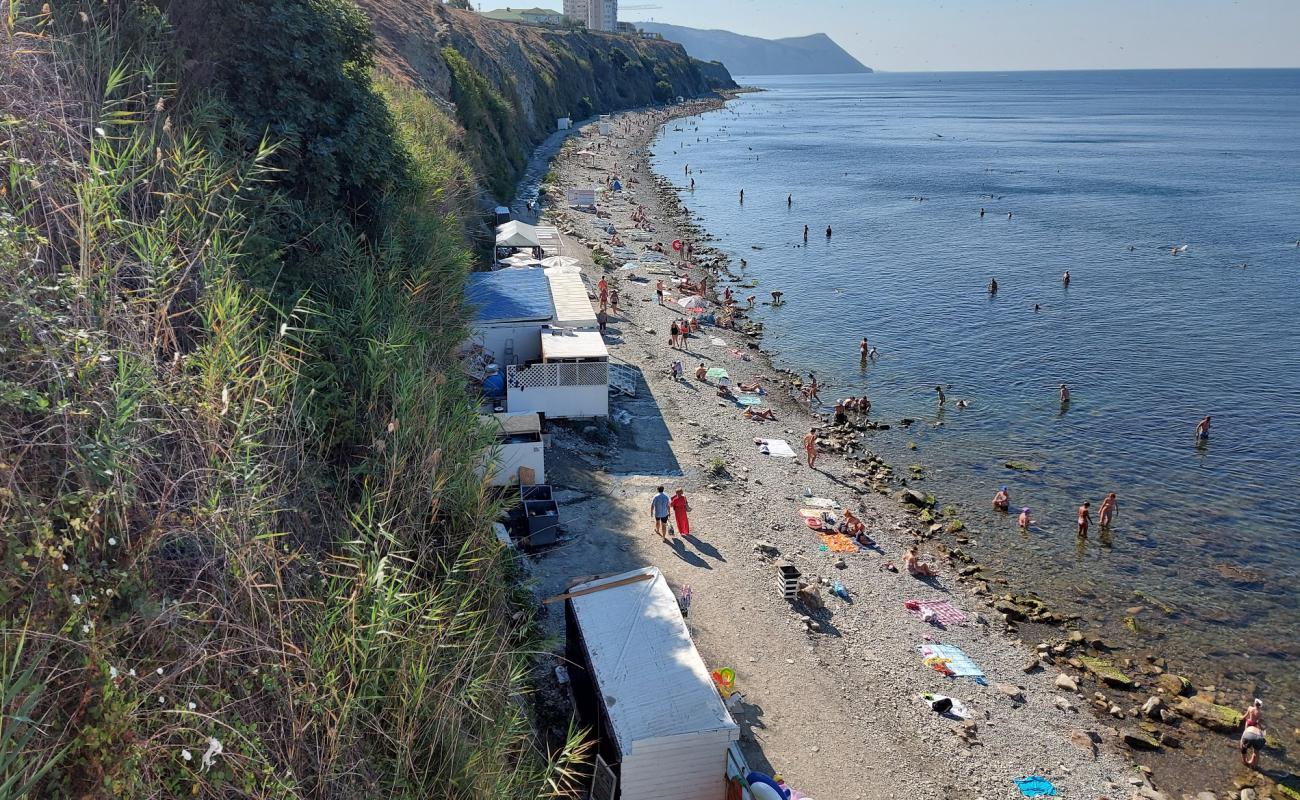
<point>1173,200</point>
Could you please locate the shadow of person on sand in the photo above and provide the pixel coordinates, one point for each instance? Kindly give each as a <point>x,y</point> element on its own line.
<point>679,549</point>
<point>932,581</point>
<point>704,547</point>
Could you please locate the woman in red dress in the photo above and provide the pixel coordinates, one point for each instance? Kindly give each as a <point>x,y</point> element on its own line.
<point>679,506</point>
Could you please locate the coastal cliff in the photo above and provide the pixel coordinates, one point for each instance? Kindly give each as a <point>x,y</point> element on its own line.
<point>507,83</point>
<point>817,54</point>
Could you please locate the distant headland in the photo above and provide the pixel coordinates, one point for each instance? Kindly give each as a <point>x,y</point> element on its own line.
<point>817,54</point>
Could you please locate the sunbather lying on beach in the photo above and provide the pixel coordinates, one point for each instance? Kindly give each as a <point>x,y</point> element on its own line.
<point>724,391</point>
<point>753,388</point>
<point>759,415</point>
<point>915,567</point>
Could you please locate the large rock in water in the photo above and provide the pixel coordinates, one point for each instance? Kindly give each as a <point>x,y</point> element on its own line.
<point>912,497</point>
<point>1174,685</point>
<point>1210,715</point>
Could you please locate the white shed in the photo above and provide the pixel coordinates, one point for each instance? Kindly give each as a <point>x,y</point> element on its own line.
<point>571,381</point>
<point>511,306</point>
<point>569,293</point>
<point>518,445</point>
<point>641,685</point>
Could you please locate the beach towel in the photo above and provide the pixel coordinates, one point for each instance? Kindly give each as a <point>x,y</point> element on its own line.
<point>820,502</point>
<point>749,399</point>
<point>957,662</point>
<point>716,342</point>
<point>738,354</point>
<point>838,544</point>
<point>1035,786</point>
<point>775,447</point>
<point>944,611</point>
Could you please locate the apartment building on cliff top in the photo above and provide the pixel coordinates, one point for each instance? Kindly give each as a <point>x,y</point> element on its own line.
<point>597,15</point>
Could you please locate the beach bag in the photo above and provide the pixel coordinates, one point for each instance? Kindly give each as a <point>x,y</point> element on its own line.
<point>941,705</point>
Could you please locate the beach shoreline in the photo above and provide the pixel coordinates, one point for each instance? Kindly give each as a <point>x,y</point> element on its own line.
<point>864,482</point>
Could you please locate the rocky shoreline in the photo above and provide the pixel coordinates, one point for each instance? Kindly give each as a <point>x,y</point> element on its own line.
<point>1050,670</point>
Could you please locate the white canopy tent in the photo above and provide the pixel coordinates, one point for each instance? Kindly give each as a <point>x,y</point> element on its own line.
<point>517,234</point>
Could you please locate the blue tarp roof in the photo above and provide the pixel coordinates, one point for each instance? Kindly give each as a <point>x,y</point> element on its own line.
<point>510,295</point>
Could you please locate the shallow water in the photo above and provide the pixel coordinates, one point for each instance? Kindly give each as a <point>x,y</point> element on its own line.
<point>1103,173</point>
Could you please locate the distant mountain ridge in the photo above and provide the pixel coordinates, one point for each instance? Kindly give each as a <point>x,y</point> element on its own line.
<point>817,54</point>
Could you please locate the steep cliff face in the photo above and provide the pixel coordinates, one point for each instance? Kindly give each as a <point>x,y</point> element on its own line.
<point>508,83</point>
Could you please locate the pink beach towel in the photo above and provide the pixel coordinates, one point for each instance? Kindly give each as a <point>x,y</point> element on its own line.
<point>944,611</point>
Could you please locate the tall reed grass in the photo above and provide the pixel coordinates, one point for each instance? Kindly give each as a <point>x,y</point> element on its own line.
<point>246,547</point>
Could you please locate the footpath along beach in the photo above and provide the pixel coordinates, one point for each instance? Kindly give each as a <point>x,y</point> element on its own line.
<point>832,683</point>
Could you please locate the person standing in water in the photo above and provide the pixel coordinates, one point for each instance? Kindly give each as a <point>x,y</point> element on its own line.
<point>864,350</point>
<point>828,231</point>
<point>742,197</point>
<point>1203,429</point>
<point>1065,395</point>
<point>1106,514</point>
<point>1024,521</point>
<point>981,212</point>
<point>993,286</point>
<point>789,200</point>
<point>1008,215</point>
<point>1002,500</point>
<point>1065,279</point>
<point>1085,518</point>
<point>942,398</point>
<point>805,234</point>
<point>1252,735</point>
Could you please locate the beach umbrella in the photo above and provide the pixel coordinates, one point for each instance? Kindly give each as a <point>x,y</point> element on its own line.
<point>718,374</point>
<point>520,260</point>
<point>559,261</point>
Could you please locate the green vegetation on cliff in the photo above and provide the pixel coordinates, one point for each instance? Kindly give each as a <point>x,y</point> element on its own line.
<point>245,547</point>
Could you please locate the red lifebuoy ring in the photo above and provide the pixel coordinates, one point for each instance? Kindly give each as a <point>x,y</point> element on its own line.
<point>677,244</point>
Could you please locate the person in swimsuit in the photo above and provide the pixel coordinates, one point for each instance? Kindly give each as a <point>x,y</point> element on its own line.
<point>1002,500</point>
<point>701,373</point>
<point>659,291</point>
<point>915,567</point>
<point>1252,735</point>
<point>942,398</point>
<point>828,231</point>
<point>1065,279</point>
<point>993,285</point>
<point>864,349</point>
<point>810,446</point>
<point>673,333</point>
<point>805,233</point>
<point>1024,521</point>
<point>840,417</point>
<point>1085,518</point>
<point>1203,429</point>
<point>1106,513</point>
<point>1065,395</point>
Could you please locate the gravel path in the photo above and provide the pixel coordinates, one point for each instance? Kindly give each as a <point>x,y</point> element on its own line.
<point>835,709</point>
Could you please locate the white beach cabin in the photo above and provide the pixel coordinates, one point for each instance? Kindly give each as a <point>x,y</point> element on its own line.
<point>519,455</point>
<point>511,307</point>
<point>573,307</point>
<point>571,380</point>
<point>662,728</point>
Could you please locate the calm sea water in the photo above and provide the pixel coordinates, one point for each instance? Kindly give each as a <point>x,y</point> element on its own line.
<point>1103,173</point>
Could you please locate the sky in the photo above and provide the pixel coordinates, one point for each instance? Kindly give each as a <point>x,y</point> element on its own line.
<point>942,35</point>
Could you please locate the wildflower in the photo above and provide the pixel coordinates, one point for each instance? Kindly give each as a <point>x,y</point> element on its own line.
<point>65,567</point>
<point>131,672</point>
<point>76,601</point>
<point>161,699</point>
<point>112,672</point>
<point>112,540</point>
<point>191,706</point>
<point>100,132</point>
<point>85,629</point>
<point>159,670</point>
<point>187,755</point>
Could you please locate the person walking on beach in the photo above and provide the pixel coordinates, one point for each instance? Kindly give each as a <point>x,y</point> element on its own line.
<point>659,291</point>
<point>1065,395</point>
<point>810,447</point>
<point>659,505</point>
<point>673,332</point>
<point>1085,518</point>
<point>613,301</point>
<point>680,507</point>
<point>1203,429</point>
<point>942,398</point>
<point>1106,513</point>
<point>602,319</point>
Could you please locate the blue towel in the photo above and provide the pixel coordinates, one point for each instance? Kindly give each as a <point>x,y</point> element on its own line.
<point>1035,786</point>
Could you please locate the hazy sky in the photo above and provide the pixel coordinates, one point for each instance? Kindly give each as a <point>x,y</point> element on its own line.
<point>1010,34</point>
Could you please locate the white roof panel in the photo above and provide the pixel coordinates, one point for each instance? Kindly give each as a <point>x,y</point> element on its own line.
<point>651,680</point>
<point>572,305</point>
<point>572,344</point>
<point>517,234</point>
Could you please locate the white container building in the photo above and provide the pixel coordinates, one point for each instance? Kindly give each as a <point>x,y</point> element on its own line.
<point>662,727</point>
